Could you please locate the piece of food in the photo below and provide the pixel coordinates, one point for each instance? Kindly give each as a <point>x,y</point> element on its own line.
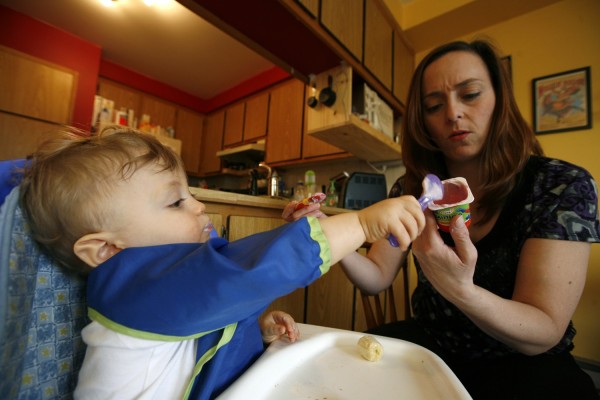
<point>369,348</point>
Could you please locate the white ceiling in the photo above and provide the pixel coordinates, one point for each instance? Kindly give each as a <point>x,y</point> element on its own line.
<point>166,42</point>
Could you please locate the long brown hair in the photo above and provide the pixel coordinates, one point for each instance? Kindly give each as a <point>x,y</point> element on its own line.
<point>510,140</point>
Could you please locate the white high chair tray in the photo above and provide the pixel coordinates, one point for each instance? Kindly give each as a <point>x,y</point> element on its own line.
<point>325,364</point>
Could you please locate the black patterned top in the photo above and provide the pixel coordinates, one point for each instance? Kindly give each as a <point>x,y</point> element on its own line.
<point>553,200</point>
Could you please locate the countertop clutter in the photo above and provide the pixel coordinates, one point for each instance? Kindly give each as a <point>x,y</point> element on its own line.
<point>236,199</point>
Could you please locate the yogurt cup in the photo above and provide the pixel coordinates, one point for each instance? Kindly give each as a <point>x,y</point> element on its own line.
<point>456,201</point>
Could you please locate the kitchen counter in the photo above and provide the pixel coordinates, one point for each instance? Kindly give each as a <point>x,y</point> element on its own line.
<point>219,201</point>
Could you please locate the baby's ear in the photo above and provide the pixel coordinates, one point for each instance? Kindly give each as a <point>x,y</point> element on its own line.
<point>94,248</point>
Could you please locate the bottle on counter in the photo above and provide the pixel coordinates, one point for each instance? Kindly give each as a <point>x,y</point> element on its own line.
<point>332,197</point>
<point>310,180</point>
<point>273,190</point>
<point>300,191</point>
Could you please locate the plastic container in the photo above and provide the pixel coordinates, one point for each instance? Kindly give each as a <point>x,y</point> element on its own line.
<point>300,191</point>
<point>456,201</point>
<point>310,180</point>
<point>332,197</point>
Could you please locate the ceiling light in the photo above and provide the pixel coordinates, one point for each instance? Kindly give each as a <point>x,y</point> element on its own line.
<point>108,3</point>
<point>160,3</point>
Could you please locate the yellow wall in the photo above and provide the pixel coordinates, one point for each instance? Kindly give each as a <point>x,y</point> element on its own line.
<point>557,38</point>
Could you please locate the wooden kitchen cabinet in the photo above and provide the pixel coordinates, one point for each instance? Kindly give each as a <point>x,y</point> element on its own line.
<point>212,139</point>
<point>188,129</point>
<point>284,140</point>
<point>330,299</point>
<point>378,43</point>
<point>242,226</point>
<point>35,96</point>
<point>256,117</point>
<point>161,113</point>
<point>233,131</point>
<point>34,88</point>
<point>311,6</point>
<point>345,23</point>
<point>219,223</point>
<point>123,96</point>
<point>404,65</point>
<point>21,136</point>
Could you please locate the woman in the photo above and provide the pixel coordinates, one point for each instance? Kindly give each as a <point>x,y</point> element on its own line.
<point>497,304</point>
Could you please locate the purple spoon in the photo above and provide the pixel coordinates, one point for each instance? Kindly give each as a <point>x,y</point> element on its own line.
<point>433,190</point>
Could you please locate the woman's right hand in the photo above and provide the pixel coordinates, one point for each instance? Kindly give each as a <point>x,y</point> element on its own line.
<point>289,214</point>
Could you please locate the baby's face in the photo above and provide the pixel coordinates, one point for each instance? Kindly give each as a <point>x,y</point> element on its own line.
<point>153,208</point>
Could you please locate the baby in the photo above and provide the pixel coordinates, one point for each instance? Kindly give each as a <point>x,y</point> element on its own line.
<point>175,312</point>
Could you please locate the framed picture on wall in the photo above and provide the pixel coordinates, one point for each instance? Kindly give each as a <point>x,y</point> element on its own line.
<point>561,102</point>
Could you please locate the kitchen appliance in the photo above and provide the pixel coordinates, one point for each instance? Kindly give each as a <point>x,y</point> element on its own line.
<point>362,189</point>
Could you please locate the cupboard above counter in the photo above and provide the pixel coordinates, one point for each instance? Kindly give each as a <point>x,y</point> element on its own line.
<point>356,121</point>
<point>317,36</point>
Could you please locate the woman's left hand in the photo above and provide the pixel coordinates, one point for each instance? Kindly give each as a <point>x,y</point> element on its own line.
<point>449,269</point>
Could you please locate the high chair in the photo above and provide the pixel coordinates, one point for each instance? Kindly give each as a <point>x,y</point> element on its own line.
<point>42,312</point>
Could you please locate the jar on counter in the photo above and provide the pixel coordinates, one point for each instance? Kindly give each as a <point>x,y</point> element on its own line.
<point>300,191</point>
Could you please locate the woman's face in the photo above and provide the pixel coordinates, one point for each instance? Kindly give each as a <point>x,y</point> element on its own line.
<point>458,103</point>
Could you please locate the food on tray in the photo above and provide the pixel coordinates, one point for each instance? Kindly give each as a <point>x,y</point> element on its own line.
<point>369,348</point>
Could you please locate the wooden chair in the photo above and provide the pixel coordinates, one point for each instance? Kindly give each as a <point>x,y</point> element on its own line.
<point>375,313</point>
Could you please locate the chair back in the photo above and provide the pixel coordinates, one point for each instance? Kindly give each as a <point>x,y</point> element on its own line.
<point>42,312</point>
<point>376,312</point>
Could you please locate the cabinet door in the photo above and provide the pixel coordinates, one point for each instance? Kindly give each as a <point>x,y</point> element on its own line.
<point>311,6</point>
<point>242,226</point>
<point>123,96</point>
<point>345,22</point>
<point>234,124</point>
<point>21,136</point>
<point>212,137</point>
<point>330,300</point>
<point>218,223</point>
<point>284,140</point>
<point>35,88</point>
<point>161,112</point>
<point>255,120</point>
<point>404,64</point>
<point>188,129</point>
<point>378,43</point>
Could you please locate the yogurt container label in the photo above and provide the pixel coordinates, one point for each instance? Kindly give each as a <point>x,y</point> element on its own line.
<point>456,201</point>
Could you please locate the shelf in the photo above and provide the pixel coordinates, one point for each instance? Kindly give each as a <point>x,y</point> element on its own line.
<point>360,139</point>
<point>253,152</point>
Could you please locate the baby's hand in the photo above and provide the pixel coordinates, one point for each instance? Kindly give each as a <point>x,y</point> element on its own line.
<point>290,214</point>
<point>400,216</point>
<point>277,324</point>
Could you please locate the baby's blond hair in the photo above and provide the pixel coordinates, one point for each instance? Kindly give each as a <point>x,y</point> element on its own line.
<point>67,189</point>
